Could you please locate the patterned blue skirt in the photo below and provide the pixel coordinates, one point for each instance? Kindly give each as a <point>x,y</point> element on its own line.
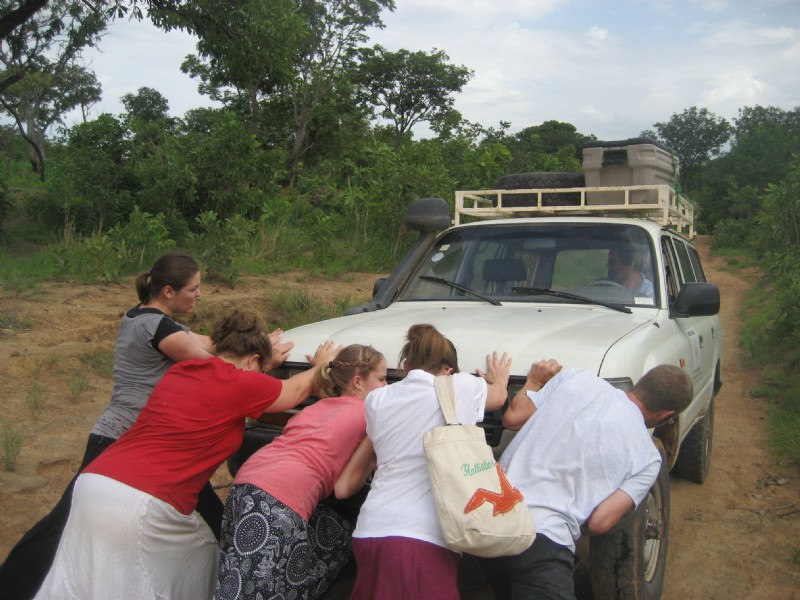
<point>268,551</point>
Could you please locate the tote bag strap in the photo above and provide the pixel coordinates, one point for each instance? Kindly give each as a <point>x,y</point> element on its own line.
<point>446,395</point>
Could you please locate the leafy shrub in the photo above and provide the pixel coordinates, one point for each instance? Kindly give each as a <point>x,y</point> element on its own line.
<point>6,204</point>
<point>779,242</point>
<point>734,233</point>
<point>220,244</point>
<point>108,256</point>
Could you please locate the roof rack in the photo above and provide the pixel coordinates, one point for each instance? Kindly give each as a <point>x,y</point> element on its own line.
<point>658,203</point>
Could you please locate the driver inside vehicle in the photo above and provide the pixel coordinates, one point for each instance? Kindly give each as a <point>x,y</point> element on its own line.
<point>621,270</point>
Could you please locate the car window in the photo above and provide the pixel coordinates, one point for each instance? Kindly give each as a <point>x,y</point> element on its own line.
<point>687,270</point>
<point>603,262</point>
<point>698,268</point>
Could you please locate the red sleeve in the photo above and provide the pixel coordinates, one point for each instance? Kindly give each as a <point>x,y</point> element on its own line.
<point>258,392</point>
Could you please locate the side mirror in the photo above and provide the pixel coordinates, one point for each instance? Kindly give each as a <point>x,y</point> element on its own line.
<point>697,299</point>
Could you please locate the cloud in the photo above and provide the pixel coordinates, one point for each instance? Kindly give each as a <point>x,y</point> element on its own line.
<point>609,69</point>
<point>597,35</point>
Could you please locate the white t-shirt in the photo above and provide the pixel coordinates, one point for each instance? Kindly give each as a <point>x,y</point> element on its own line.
<point>400,502</point>
<point>585,440</point>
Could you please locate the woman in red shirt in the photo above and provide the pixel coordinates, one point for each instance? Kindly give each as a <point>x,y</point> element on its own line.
<point>132,530</point>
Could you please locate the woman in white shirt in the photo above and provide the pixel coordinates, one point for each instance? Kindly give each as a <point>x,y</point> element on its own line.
<point>397,542</point>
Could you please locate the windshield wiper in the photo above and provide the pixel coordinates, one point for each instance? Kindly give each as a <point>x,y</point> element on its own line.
<point>532,291</point>
<point>462,288</point>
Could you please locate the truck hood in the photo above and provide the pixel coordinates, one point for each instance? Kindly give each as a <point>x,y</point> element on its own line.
<point>575,335</point>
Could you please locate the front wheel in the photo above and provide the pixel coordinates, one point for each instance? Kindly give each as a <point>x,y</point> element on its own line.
<point>694,456</point>
<point>629,562</point>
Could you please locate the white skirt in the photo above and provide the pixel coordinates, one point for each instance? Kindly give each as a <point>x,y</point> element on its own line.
<point>120,542</point>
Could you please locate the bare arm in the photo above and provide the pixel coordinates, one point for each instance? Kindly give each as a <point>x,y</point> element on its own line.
<point>496,376</point>
<point>355,472</point>
<point>609,512</point>
<point>521,407</point>
<point>298,387</point>
<point>182,346</point>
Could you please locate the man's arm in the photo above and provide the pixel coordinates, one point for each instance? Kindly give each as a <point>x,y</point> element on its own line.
<point>521,407</point>
<point>618,504</point>
<point>609,512</point>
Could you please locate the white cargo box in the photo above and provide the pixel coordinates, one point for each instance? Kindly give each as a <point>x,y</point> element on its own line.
<point>632,162</point>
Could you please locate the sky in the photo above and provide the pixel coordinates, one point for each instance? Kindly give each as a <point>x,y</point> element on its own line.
<point>612,68</point>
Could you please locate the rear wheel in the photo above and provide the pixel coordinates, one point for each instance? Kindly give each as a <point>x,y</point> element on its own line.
<point>629,562</point>
<point>694,456</point>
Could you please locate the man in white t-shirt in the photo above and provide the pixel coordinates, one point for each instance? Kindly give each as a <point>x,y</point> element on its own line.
<point>621,270</point>
<point>583,457</point>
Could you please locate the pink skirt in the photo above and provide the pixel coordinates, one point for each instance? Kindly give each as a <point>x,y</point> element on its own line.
<point>402,568</point>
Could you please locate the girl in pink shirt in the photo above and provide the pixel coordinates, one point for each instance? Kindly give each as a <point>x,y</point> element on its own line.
<point>277,540</point>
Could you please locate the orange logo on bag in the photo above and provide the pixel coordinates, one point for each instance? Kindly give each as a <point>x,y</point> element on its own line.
<point>502,502</point>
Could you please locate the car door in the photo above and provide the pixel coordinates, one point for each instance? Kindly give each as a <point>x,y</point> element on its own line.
<point>683,266</point>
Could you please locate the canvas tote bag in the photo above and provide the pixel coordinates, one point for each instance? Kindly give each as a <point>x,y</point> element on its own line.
<point>479,510</point>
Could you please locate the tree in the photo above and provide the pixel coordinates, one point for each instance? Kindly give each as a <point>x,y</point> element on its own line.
<point>551,146</point>
<point>695,136</point>
<point>246,50</point>
<point>42,42</point>
<point>335,28</point>
<point>147,105</point>
<point>35,34</point>
<point>408,87</point>
<point>732,186</point>
<point>40,100</point>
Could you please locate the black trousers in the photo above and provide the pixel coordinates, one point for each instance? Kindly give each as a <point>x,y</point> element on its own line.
<point>543,571</point>
<point>29,561</point>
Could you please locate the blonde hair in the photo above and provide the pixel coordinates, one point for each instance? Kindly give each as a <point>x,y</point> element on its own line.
<point>355,359</point>
<point>429,350</point>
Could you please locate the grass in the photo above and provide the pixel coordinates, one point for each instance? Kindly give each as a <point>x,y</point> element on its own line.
<point>737,258</point>
<point>101,362</point>
<point>77,385</point>
<point>14,321</point>
<point>292,308</point>
<point>774,351</point>
<point>12,446</point>
<point>36,397</point>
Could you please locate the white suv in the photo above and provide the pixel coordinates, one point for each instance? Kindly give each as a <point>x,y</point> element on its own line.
<point>544,287</point>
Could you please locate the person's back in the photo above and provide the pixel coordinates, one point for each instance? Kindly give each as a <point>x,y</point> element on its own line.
<point>398,417</point>
<point>585,438</point>
<point>301,465</point>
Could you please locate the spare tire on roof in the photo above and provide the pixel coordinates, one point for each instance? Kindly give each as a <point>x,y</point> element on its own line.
<point>541,180</point>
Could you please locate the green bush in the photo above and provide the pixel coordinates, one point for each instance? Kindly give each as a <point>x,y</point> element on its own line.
<point>126,248</point>
<point>734,233</point>
<point>6,204</point>
<point>779,244</point>
<point>222,245</point>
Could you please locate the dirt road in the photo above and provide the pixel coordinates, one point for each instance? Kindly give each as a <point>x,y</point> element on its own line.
<point>736,536</point>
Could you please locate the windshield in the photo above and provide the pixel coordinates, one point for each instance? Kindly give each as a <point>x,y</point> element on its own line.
<point>604,263</point>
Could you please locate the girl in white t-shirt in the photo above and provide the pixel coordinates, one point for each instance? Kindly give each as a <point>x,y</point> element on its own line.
<point>397,542</point>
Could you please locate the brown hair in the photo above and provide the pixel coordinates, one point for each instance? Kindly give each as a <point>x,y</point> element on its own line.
<point>665,387</point>
<point>173,269</point>
<point>241,333</point>
<point>429,350</point>
<point>352,360</point>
